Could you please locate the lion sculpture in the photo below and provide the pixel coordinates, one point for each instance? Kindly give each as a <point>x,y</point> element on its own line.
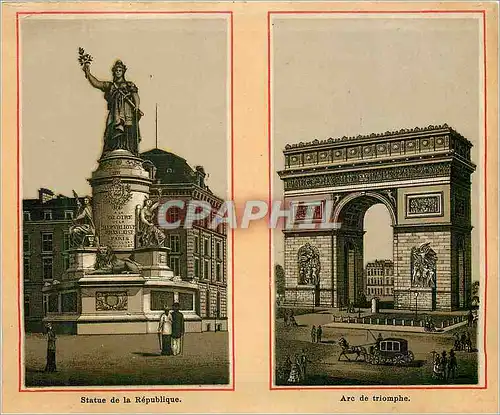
<point>108,263</point>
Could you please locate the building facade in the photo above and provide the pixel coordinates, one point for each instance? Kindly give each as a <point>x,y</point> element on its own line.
<point>379,277</point>
<point>197,256</point>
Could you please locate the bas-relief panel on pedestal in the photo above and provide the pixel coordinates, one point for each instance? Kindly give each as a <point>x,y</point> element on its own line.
<point>111,301</point>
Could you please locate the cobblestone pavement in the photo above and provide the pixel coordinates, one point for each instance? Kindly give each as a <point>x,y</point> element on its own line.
<point>101,360</point>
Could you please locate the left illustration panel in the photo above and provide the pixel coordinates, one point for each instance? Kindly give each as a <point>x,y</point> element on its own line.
<point>124,165</point>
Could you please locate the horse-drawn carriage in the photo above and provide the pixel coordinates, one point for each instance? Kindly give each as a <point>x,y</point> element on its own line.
<point>392,351</point>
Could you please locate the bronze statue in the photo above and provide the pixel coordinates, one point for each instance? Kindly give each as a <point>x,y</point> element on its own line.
<point>122,96</point>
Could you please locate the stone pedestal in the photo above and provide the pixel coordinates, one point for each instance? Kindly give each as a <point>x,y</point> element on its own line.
<point>119,185</point>
<point>154,262</point>
<point>80,261</point>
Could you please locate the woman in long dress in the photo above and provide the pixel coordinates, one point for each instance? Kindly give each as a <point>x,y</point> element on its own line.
<point>165,329</point>
<point>295,371</point>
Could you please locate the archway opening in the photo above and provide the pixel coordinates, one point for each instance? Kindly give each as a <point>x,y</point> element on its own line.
<point>365,236</point>
<point>378,248</point>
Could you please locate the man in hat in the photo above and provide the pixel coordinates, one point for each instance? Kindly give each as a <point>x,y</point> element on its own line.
<point>177,330</point>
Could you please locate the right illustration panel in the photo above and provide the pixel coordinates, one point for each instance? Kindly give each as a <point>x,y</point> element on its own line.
<point>377,145</point>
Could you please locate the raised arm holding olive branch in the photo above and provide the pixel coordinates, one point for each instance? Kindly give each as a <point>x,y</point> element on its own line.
<point>122,124</point>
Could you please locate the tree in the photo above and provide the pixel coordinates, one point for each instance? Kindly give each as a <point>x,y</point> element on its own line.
<point>279,279</point>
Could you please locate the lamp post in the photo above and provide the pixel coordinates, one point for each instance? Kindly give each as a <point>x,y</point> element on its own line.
<point>416,305</point>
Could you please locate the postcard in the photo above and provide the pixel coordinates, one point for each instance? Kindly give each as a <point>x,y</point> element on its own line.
<point>250,207</point>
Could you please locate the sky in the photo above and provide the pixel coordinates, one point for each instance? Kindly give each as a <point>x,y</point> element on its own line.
<point>178,63</point>
<point>340,76</point>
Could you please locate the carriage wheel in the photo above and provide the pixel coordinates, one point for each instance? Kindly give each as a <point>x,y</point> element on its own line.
<point>409,356</point>
<point>399,360</point>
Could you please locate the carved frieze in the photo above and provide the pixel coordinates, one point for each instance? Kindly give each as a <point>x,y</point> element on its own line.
<point>424,205</point>
<point>418,171</point>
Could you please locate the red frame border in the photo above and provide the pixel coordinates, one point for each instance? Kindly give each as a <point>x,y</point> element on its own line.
<point>195,388</point>
<point>270,177</point>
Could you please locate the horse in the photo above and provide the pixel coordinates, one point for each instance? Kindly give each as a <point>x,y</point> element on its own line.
<point>348,350</point>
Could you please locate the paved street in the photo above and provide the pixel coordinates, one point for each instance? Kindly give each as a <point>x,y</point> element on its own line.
<point>128,360</point>
<point>325,369</point>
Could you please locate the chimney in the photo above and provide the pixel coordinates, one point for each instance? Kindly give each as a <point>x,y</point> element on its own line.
<point>200,176</point>
<point>44,195</point>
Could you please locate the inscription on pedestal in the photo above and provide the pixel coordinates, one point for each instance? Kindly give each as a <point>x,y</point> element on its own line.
<point>118,230</point>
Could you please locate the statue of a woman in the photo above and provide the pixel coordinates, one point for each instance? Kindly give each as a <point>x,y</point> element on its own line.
<point>122,124</point>
<point>83,225</point>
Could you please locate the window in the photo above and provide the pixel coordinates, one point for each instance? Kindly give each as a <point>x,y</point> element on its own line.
<point>186,301</point>
<point>47,268</point>
<point>47,215</point>
<point>173,214</point>
<point>218,273</point>
<point>27,268</point>
<point>395,346</point>
<point>160,299</point>
<point>206,247</point>
<point>175,243</point>
<point>47,239</point>
<point>206,270</point>
<point>175,265</point>
<point>26,216</point>
<point>26,243</point>
<point>218,250</point>
<point>196,244</point>
<point>66,243</point>
<point>27,306</point>
<point>69,302</point>
<point>197,267</point>
<point>68,214</point>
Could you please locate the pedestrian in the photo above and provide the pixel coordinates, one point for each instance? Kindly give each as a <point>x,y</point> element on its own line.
<point>444,364</point>
<point>177,330</point>
<point>470,318</point>
<point>379,339</point>
<point>295,371</point>
<point>436,367</point>
<point>319,333</point>
<point>452,365</point>
<point>285,317</point>
<point>468,342</point>
<point>313,334</point>
<point>303,364</point>
<point>51,349</point>
<point>287,367</point>
<point>165,332</point>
